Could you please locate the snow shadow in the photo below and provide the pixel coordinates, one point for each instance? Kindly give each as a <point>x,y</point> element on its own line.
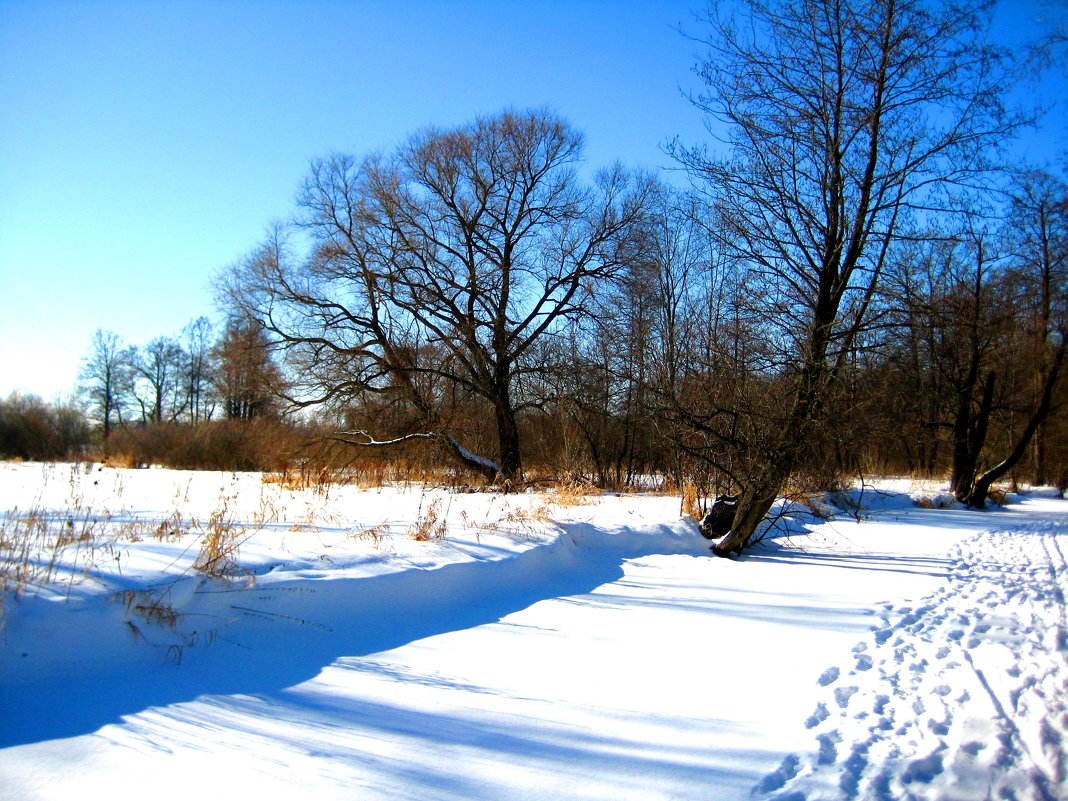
<point>227,640</point>
<point>456,744</point>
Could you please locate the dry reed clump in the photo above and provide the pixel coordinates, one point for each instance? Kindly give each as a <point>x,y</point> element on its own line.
<point>223,536</point>
<point>155,607</point>
<point>934,500</point>
<point>152,605</point>
<point>691,504</point>
<point>362,474</point>
<point>378,535</point>
<point>173,527</point>
<point>221,542</point>
<point>32,545</point>
<point>526,521</point>
<point>306,477</point>
<point>517,521</point>
<point>574,492</point>
<point>430,524</point>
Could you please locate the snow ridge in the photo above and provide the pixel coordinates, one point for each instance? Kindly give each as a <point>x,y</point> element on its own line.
<point>889,725</point>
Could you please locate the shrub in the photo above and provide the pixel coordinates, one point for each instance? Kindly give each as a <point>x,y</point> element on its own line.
<point>34,430</point>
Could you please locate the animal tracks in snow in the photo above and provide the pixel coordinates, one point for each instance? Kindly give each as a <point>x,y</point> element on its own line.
<point>890,723</point>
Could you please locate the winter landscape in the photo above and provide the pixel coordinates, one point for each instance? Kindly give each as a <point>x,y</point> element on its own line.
<point>178,634</point>
<point>571,401</point>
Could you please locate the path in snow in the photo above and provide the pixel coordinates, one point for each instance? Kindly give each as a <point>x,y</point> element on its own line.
<point>889,724</point>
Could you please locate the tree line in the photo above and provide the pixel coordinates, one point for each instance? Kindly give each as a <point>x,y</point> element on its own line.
<point>130,397</point>
<point>192,377</point>
<point>858,279</point>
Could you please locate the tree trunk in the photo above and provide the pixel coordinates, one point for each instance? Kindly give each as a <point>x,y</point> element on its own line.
<point>1041,473</point>
<point>758,497</point>
<point>969,436</point>
<point>981,488</point>
<point>753,506</point>
<point>511,459</point>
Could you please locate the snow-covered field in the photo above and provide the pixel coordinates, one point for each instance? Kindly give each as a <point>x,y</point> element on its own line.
<point>539,650</point>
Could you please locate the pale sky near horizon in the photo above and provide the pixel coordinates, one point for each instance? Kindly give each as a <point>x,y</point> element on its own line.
<point>146,144</point>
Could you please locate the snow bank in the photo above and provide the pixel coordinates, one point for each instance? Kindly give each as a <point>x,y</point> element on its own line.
<point>864,650</point>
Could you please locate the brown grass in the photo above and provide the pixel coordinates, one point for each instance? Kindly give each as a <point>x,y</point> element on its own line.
<point>220,544</point>
<point>151,605</point>
<point>430,524</point>
<point>574,493</point>
<point>376,535</point>
<point>691,504</point>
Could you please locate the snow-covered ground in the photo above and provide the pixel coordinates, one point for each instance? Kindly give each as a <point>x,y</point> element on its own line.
<point>538,650</point>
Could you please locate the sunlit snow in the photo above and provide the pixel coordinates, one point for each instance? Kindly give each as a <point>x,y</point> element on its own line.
<point>540,650</point>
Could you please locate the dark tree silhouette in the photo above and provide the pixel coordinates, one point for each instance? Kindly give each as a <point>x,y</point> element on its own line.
<point>841,118</point>
<point>437,270</point>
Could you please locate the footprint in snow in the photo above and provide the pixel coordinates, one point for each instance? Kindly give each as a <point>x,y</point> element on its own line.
<point>829,676</point>
<point>816,718</point>
<point>925,769</point>
<point>828,748</point>
<point>779,777</point>
<point>842,695</point>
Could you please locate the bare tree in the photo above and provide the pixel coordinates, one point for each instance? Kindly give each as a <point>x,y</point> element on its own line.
<point>106,380</point>
<point>841,117</point>
<point>157,368</point>
<point>436,271</point>
<point>196,374</point>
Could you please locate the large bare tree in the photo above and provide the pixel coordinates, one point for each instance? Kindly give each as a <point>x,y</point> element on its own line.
<point>437,269</point>
<point>840,117</point>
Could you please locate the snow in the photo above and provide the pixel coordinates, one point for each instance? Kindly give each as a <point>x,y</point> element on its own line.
<point>868,648</point>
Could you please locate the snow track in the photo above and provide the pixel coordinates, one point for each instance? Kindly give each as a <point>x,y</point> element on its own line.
<point>992,641</point>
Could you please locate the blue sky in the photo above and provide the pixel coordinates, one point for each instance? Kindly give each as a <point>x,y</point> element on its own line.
<point>145,145</point>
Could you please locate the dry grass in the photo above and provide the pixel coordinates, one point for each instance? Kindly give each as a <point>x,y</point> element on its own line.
<point>219,546</point>
<point>308,478</point>
<point>362,474</point>
<point>173,527</point>
<point>934,500</point>
<point>691,504</point>
<point>998,495</point>
<point>525,521</point>
<point>378,535</point>
<point>152,605</point>
<point>430,523</point>
<point>32,544</point>
<point>574,493</point>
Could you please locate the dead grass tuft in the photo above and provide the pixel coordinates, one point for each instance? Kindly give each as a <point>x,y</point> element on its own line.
<point>150,605</point>
<point>573,492</point>
<point>430,524</point>
<point>998,495</point>
<point>220,544</point>
<point>378,535</point>
<point>691,504</point>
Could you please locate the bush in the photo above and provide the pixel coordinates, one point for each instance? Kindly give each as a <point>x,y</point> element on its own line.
<point>258,444</point>
<point>34,430</point>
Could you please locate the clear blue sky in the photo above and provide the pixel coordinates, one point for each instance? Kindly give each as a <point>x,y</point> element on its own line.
<point>145,145</point>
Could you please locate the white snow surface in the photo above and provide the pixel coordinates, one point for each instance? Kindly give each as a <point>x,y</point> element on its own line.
<point>539,651</point>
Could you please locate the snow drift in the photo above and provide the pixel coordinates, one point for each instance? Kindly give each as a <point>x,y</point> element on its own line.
<point>868,649</point>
